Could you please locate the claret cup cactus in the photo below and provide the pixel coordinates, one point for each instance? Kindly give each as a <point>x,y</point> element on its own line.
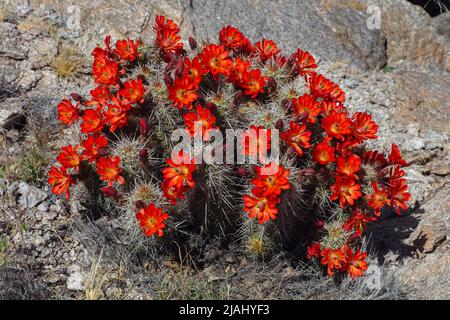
<point>274,160</point>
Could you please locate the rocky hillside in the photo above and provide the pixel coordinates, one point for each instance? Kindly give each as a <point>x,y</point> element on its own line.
<point>389,56</point>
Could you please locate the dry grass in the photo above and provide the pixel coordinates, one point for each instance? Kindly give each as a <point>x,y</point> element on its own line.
<point>68,63</point>
<point>95,281</point>
<point>188,284</point>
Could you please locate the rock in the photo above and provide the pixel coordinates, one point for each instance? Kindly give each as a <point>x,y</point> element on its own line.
<point>10,47</point>
<point>41,53</point>
<point>29,196</point>
<point>442,25</point>
<point>23,10</point>
<point>332,33</point>
<point>29,80</point>
<point>11,114</point>
<point>411,36</point>
<point>419,186</point>
<point>427,278</point>
<point>76,279</point>
<point>434,226</point>
<point>43,207</point>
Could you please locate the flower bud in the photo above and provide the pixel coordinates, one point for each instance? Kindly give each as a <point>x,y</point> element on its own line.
<point>193,43</point>
<point>143,127</point>
<point>139,204</point>
<point>143,155</point>
<point>287,104</point>
<point>319,224</point>
<point>76,97</point>
<point>242,171</point>
<point>271,85</point>
<point>279,124</point>
<point>168,79</point>
<point>179,68</point>
<point>110,192</point>
<point>211,106</point>
<point>239,98</point>
<point>308,172</point>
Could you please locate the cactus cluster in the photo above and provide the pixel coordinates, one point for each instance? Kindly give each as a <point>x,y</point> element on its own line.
<point>315,201</point>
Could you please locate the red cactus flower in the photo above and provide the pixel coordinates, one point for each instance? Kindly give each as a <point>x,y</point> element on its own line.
<point>272,184</point>
<point>253,83</point>
<point>256,141</point>
<point>216,60</point>
<point>395,157</point>
<point>240,69</point>
<point>346,190</point>
<point>357,222</point>
<point>266,49</point>
<point>169,41</point>
<point>313,250</point>
<point>92,122</point>
<point>337,125</point>
<point>99,97</point>
<point>67,113</point>
<point>108,75</point>
<point>162,23</point>
<point>306,105</point>
<point>69,157</point>
<point>364,127</point>
<point>348,166</point>
<point>260,206</point>
<point>231,38</point>
<point>337,94</point>
<point>108,169</point>
<point>133,91</point>
<point>375,159</point>
<point>180,170</point>
<point>356,264</point>
<point>378,199</point>
<point>334,259</point>
<point>151,220</point>
<point>323,153</point>
<point>297,137</point>
<point>92,147</point>
<point>327,106</point>
<point>117,114</point>
<point>60,181</point>
<point>101,59</point>
<point>193,70</point>
<point>320,86</point>
<point>173,192</point>
<point>202,115</point>
<point>304,63</point>
<point>127,49</point>
<point>183,93</point>
<point>399,195</point>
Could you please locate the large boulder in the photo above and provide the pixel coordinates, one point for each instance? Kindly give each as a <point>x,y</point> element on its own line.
<point>336,32</point>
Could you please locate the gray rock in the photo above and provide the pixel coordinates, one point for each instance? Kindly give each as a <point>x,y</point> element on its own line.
<point>29,80</point>
<point>332,34</point>
<point>23,10</point>
<point>43,207</point>
<point>11,114</point>
<point>411,35</point>
<point>41,52</point>
<point>29,196</point>
<point>76,281</point>
<point>77,278</point>
<point>10,47</point>
<point>442,25</point>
